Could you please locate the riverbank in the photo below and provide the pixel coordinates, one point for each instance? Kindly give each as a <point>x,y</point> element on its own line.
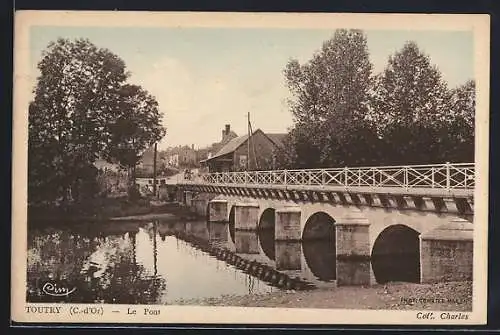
<point>452,296</point>
<point>103,209</point>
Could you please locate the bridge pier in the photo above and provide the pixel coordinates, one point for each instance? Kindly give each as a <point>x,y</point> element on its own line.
<point>287,255</point>
<point>179,196</point>
<point>353,249</point>
<point>218,232</point>
<point>446,253</point>
<point>200,206</point>
<point>287,226</point>
<point>188,198</point>
<point>246,216</point>
<point>217,210</point>
<point>246,242</point>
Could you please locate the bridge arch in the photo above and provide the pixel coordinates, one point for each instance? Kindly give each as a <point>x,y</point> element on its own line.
<point>231,223</point>
<point>318,245</point>
<point>395,255</point>
<point>319,226</point>
<point>207,210</point>
<point>266,232</point>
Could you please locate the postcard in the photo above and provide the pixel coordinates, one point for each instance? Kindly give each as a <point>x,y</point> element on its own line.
<point>250,168</point>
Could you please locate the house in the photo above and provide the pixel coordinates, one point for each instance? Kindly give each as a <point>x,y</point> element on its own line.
<point>147,159</point>
<point>205,153</point>
<point>181,156</point>
<point>103,165</point>
<point>254,152</point>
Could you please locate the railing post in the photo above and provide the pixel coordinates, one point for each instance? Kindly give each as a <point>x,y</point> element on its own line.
<point>345,176</point>
<point>405,181</point>
<point>285,179</point>
<point>323,181</point>
<point>359,177</point>
<point>432,177</point>
<point>447,176</point>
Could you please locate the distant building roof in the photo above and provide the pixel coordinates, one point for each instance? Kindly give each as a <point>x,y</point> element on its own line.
<point>277,138</point>
<point>103,164</point>
<point>235,143</point>
<point>231,146</point>
<point>228,137</point>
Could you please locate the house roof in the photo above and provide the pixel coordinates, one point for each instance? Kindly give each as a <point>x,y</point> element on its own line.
<point>230,146</point>
<point>235,143</point>
<point>277,138</point>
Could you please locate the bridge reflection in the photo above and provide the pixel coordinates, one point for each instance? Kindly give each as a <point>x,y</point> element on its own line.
<point>313,260</point>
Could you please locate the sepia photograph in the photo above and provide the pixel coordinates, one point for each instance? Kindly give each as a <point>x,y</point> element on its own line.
<point>250,168</point>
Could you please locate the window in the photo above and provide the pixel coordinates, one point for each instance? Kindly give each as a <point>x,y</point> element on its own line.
<point>243,161</point>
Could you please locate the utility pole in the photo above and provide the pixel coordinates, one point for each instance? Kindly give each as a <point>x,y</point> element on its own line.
<point>154,171</point>
<point>248,141</point>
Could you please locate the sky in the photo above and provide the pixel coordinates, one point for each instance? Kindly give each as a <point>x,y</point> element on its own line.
<point>204,78</point>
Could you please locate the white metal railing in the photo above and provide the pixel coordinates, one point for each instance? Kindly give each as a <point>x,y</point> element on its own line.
<point>446,176</point>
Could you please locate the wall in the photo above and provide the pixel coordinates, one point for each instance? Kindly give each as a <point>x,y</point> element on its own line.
<point>442,263</point>
<point>263,151</point>
<point>440,257</point>
<point>379,218</point>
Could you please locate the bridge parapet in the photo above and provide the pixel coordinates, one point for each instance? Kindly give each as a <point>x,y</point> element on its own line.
<point>448,176</point>
<point>440,187</point>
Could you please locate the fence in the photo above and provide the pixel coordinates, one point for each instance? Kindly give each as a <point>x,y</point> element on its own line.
<point>447,176</point>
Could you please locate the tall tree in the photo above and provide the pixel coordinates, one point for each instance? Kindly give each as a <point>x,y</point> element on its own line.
<point>79,99</point>
<point>409,108</point>
<point>459,123</point>
<point>330,102</point>
<point>136,127</point>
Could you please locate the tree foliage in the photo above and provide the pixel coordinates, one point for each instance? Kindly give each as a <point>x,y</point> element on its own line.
<point>78,102</point>
<point>460,122</point>
<point>330,102</point>
<point>344,116</point>
<point>136,127</point>
<point>410,108</point>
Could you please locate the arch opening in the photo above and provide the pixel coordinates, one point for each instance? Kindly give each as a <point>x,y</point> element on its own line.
<point>265,231</point>
<point>231,224</point>
<point>207,216</point>
<point>396,255</point>
<point>318,246</point>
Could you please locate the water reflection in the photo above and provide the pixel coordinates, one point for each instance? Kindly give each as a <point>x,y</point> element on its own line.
<point>266,241</point>
<point>218,231</point>
<point>101,268</point>
<point>150,264</point>
<point>163,262</point>
<point>319,255</point>
<point>288,255</point>
<point>246,242</point>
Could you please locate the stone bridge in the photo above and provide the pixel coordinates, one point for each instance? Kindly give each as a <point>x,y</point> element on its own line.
<point>411,223</point>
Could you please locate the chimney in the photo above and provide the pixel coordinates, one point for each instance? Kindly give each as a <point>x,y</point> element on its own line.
<point>228,129</point>
<point>192,146</point>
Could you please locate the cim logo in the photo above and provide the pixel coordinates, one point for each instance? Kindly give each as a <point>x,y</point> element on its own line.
<point>55,290</point>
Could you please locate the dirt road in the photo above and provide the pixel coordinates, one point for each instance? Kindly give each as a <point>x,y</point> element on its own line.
<point>453,296</point>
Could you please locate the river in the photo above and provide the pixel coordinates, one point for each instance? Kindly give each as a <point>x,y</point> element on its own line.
<point>169,262</point>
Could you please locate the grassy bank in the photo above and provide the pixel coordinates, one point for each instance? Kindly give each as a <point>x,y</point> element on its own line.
<point>452,296</point>
<point>96,210</point>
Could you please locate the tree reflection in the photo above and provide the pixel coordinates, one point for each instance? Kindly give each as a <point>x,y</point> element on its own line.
<point>101,269</point>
